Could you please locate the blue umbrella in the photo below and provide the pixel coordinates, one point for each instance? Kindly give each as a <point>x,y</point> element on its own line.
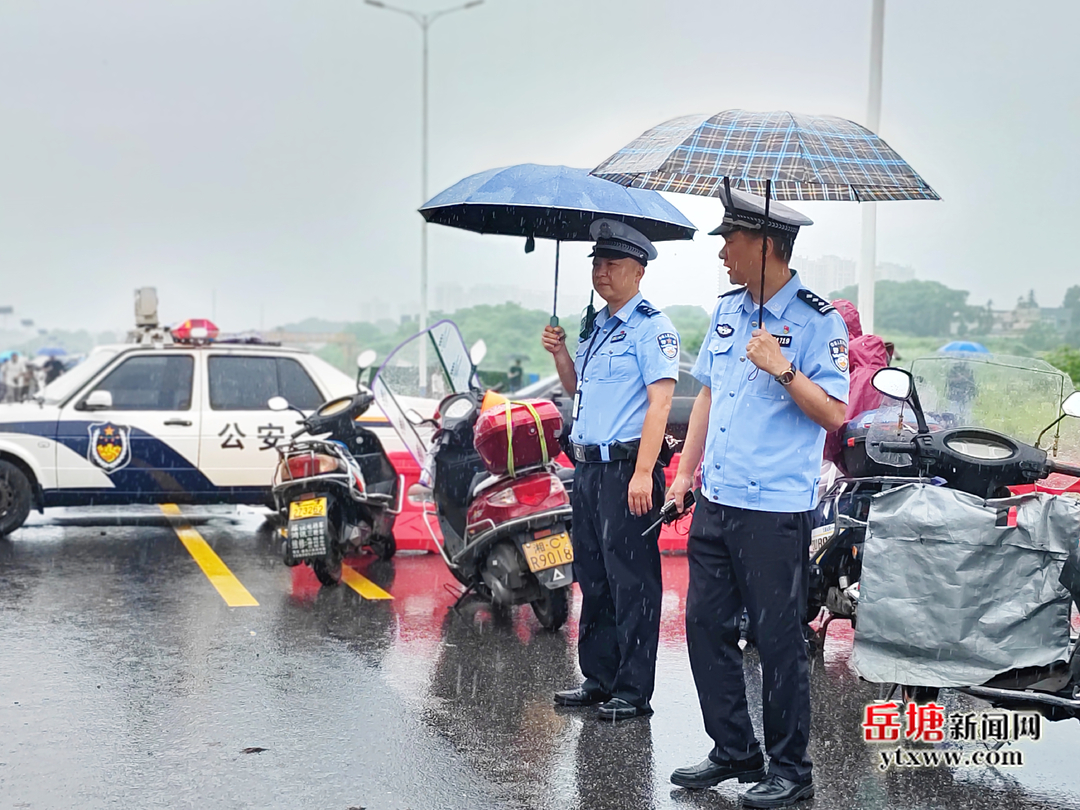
<point>964,346</point>
<point>52,351</point>
<point>551,202</point>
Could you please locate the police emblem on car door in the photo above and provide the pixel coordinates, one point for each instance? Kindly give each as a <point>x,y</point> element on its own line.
<point>110,446</point>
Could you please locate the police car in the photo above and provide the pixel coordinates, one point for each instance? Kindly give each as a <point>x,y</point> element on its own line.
<point>161,422</point>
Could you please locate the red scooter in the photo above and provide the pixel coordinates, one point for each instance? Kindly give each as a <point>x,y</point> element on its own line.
<point>500,501</point>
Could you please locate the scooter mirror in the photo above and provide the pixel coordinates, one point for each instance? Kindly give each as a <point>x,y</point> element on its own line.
<point>366,358</point>
<point>1071,405</point>
<point>414,417</point>
<point>278,404</point>
<point>893,382</point>
<point>478,352</point>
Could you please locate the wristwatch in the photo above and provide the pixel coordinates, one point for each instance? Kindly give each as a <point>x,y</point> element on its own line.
<point>785,377</point>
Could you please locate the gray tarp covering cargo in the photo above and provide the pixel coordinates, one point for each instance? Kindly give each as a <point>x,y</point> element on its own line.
<point>950,598</point>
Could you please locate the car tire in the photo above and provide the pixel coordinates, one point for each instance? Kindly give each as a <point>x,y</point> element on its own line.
<point>16,496</point>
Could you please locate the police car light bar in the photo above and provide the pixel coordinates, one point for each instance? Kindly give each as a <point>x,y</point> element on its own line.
<point>195,330</point>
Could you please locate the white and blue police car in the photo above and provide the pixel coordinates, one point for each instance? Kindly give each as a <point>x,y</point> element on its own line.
<point>146,423</point>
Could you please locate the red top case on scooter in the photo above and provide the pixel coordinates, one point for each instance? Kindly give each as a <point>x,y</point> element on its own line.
<point>492,439</point>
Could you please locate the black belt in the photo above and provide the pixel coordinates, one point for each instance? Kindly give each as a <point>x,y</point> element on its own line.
<point>617,451</point>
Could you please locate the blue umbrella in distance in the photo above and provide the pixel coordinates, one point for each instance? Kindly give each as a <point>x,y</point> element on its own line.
<point>551,202</point>
<point>964,346</point>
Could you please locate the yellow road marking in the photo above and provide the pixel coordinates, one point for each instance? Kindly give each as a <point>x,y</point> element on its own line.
<point>234,594</point>
<point>362,585</point>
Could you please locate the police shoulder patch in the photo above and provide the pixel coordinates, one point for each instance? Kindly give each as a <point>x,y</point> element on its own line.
<point>818,303</point>
<point>647,309</point>
<point>669,344</point>
<point>838,352</point>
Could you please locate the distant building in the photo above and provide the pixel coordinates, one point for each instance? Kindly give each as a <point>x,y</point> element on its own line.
<point>888,271</point>
<point>452,297</point>
<point>827,274</point>
<point>830,274</point>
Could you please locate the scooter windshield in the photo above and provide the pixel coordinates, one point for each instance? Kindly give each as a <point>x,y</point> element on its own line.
<point>1016,396</point>
<point>430,365</point>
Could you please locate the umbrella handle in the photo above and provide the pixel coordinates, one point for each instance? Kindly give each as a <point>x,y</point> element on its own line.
<point>555,304</point>
<point>764,251</point>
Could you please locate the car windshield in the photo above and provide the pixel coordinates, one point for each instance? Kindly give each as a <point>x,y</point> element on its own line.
<point>66,384</point>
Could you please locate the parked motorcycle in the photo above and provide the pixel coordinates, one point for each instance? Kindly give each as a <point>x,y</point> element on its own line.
<point>1032,391</point>
<point>336,491</point>
<point>980,462</point>
<point>499,500</point>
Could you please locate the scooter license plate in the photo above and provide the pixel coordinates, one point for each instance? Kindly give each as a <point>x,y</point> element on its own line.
<point>312,507</point>
<point>547,552</point>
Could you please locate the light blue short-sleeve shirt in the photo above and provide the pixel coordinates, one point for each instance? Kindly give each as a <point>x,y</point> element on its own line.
<point>625,354</point>
<point>761,451</point>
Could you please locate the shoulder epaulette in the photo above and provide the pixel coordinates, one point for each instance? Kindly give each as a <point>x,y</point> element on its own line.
<point>822,306</point>
<point>733,292</point>
<point>647,309</point>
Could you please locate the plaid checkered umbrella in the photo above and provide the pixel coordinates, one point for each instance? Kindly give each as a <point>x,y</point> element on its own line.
<point>803,157</point>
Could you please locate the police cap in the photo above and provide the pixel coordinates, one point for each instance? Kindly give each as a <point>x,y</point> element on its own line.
<point>747,212</point>
<point>617,240</point>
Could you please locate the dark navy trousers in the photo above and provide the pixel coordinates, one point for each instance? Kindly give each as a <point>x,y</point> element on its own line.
<point>758,560</point>
<point>618,572</point>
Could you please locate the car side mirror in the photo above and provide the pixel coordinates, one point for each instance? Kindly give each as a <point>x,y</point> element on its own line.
<point>98,401</point>
<point>1071,405</point>
<point>277,404</point>
<point>893,382</point>
<point>414,417</point>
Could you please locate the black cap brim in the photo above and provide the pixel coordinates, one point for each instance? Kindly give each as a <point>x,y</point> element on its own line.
<point>613,253</point>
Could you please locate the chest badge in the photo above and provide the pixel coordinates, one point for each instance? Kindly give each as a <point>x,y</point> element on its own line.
<point>725,330</point>
<point>838,350</point>
<point>110,446</point>
<point>669,345</point>
<point>783,340</point>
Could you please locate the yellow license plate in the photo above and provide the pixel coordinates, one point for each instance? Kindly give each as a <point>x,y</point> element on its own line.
<point>547,552</point>
<point>313,507</point>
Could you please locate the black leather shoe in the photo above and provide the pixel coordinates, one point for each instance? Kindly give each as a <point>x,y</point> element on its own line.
<point>619,709</point>
<point>579,697</point>
<point>709,773</point>
<point>776,791</point>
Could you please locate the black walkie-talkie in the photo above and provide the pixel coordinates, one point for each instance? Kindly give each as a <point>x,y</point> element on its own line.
<point>668,513</point>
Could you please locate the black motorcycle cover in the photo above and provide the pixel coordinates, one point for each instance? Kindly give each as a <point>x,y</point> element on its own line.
<point>952,596</point>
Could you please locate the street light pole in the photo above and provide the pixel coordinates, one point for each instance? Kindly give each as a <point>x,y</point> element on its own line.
<point>424,21</point>
<point>868,258</point>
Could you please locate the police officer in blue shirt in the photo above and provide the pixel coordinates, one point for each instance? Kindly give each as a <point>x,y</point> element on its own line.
<point>622,380</point>
<point>770,392</point>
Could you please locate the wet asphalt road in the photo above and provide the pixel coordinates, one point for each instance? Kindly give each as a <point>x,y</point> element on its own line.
<point>126,681</point>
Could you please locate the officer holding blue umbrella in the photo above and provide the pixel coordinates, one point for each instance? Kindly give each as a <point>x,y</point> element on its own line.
<point>622,380</point>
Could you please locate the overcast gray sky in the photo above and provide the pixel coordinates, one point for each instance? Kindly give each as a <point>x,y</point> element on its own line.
<point>265,153</point>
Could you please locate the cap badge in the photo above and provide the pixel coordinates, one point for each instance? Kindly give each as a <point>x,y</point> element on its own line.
<point>605,231</point>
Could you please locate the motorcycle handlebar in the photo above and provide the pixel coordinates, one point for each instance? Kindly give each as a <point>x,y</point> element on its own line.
<point>907,448</point>
<point>1065,469</point>
<point>300,432</point>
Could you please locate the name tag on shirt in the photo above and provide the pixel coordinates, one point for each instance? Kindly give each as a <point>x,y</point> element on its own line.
<point>783,340</point>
